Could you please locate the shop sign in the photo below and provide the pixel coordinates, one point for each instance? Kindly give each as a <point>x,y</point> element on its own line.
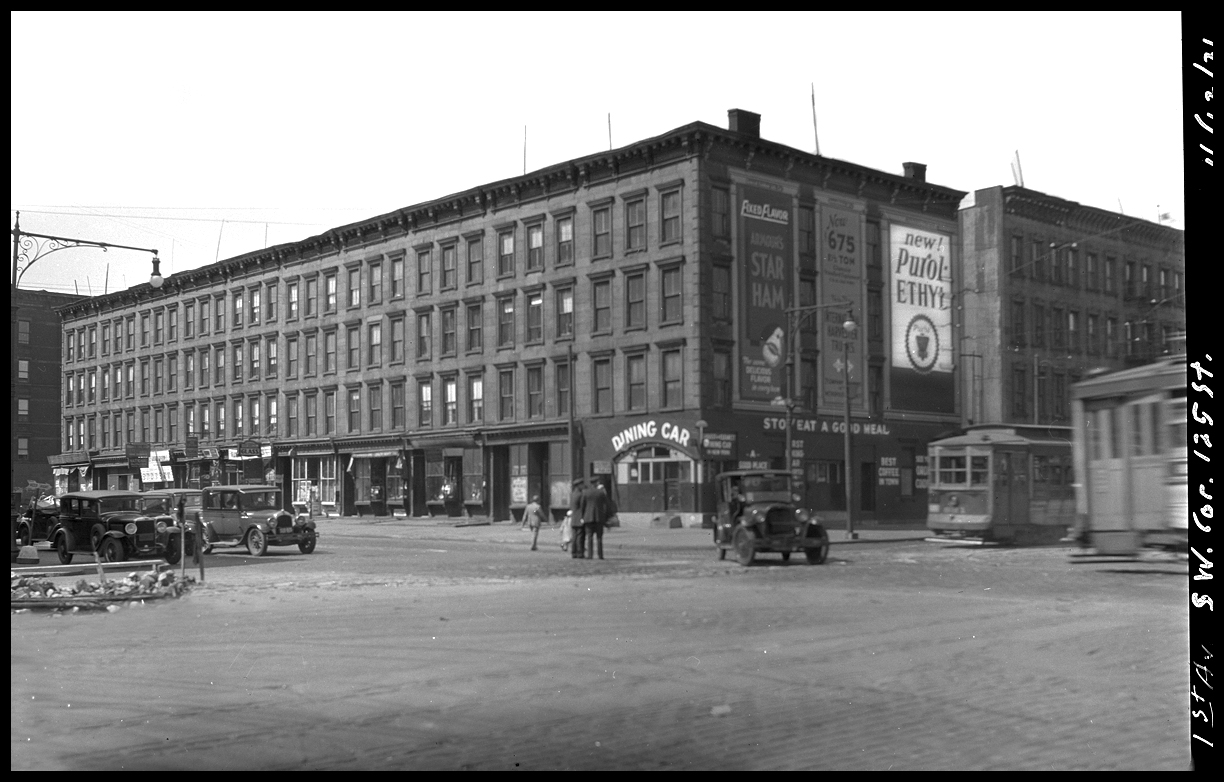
<point>192,450</point>
<point>920,297</point>
<point>210,453</point>
<point>265,451</point>
<point>518,490</point>
<point>248,448</point>
<point>767,259</point>
<point>651,430</point>
<point>827,425</point>
<point>719,445</point>
<point>888,473</point>
<point>137,455</point>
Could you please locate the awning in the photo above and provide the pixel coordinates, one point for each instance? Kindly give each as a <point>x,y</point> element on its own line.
<point>375,454</point>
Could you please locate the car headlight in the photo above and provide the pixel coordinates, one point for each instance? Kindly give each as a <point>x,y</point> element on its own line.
<point>160,527</point>
<point>130,528</point>
<point>756,516</point>
<point>801,514</point>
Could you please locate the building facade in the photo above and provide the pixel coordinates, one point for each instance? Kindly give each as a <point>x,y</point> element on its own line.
<point>621,316</point>
<point>1052,290</point>
<point>36,373</point>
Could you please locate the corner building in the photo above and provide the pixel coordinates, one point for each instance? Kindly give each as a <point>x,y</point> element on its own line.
<point>621,316</point>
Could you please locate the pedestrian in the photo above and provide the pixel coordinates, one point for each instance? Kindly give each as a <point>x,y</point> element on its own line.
<point>533,517</point>
<point>578,545</point>
<point>567,530</point>
<point>595,512</point>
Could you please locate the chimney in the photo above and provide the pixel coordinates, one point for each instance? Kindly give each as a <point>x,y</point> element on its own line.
<point>746,122</point>
<point>915,171</point>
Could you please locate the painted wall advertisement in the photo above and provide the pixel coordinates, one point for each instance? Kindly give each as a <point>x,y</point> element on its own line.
<point>841,270</point>
<point>920,291</point>
<point>767,260</point>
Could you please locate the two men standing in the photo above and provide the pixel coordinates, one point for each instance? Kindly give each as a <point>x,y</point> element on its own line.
<point>591,510</point>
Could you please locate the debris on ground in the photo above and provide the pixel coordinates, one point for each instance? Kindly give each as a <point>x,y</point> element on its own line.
<point>34,592</point>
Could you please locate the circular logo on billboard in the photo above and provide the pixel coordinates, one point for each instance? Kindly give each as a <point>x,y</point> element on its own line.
<point>922,343</point>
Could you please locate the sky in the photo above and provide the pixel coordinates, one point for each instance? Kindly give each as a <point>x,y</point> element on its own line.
<point>210,135</point>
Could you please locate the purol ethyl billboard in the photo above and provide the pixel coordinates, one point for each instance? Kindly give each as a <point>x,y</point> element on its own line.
<point>767,260</point>
<point>920,291</point>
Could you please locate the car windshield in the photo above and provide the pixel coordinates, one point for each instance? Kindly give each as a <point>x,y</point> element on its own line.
<point>260,500</point>
<point>763,483</point>
<point>112,504</point>
<point>154,505</point>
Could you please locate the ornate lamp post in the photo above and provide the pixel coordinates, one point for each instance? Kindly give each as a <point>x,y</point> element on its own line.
<point>850,327</point>
<point>30,248</point>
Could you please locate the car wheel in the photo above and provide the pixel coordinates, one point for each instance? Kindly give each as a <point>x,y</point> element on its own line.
<point>61,550</point>
<point>23,535</point>
<point>173,553</point>
<point>816,556</point>
<point>95,537</point>
<point>307,544</point>
<point>112,550</point>
<point>257,543</point>
<point>786,556</point>
<point>745,551</point>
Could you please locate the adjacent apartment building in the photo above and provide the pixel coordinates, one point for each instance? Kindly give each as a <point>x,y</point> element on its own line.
<point>1051,290</point>
<point>621,316</point>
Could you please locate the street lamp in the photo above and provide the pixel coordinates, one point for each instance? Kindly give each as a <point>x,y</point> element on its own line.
<point>30,248</point>
<point>850,327</point>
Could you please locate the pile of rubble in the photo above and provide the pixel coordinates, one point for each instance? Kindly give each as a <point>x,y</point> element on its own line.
<point>34,592</point>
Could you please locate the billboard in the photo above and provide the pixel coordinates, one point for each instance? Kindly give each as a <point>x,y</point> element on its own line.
<point>767,261</point>
<point>920,296</point>
<point>841,271</point>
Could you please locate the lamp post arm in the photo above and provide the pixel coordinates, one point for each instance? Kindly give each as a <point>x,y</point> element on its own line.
<point>29,248</point>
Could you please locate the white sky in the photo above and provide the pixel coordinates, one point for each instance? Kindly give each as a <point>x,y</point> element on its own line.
<point>150,129</point>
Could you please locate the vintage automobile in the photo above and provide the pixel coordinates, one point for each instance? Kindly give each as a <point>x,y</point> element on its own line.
<point>234,516</point>
<point>112,524</point>
<point>38,521</point>
<point>758,513</point>
<point>162,505</point>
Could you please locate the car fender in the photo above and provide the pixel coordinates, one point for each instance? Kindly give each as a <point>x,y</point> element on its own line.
<point>66,534</point>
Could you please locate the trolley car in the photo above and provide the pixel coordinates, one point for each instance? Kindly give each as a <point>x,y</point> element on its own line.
<point>1130,449</point>
<point>997,483</point>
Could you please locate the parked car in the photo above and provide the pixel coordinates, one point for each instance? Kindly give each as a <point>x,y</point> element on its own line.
<point>252,516</point>
<point>758,513</point>
<point>113,524</point>
<point>162,505</point>
<point>37,522</point>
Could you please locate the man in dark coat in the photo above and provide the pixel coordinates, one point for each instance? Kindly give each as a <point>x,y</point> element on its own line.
<point>577,528</point>
<point>595,512</point>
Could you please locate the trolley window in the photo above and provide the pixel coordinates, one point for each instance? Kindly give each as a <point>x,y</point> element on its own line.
<point>951,469</point>
<point>979,470</point>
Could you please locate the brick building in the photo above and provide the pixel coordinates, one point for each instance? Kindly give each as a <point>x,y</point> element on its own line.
<point>1050,290</point>
<point>35,415</point>
<point>427,360</point>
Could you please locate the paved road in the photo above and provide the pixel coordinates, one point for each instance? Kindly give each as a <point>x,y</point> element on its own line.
<point>422,648</point>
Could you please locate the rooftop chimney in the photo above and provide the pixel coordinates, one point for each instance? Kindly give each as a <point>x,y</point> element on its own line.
<point>915,171</point>
<point>746,122</point>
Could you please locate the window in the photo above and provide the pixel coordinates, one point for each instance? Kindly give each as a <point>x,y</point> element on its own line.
<point>292,297</point>
<point>1094,334</point>
<point>424,403</point>
<point>562,376</point>
<point>449,337</point>
<point>535,247</point>
<point>238,309</point>
<point>172,373</point>
<point>1072,259</point>
<point>475,328</point>
<point>92,352</point>
<point>106,332</point>
<point>218,314</point>
<point>424,336</point>
<point>1111,336</point>
<point>330,292</point>
<point>601,232</point>
<point>721,378</point>
<point>1017,254</point>
<point>672,377</point>
<point>424,268</point>
<point>1037,260</point>
<point>1018,330</point>
<point>672,295</point>
<point>253,403</point>
<point>23,448</point>
<point>1039,318</point>
<point>807,234</point>
<point>505,392</point>
<point>23,408</point>
<point>218,421</point>
<point>205,372</point>
<point>271,298</point>
<point>397,340</point>
<point>398,403</point>
<point>535,317</point>
<point>1019,387</point>
<point>144,336</point>
<point>329,411</point>
<point>1073,331</point>
<point>354,410</point>
<point>131,332</point>
<point>635,387</point>
<point>374,399</point>
<point>505,253</point>
<point>330,339</point>
<point>291,416</point>
<point>535,391</point>
<point>601,296</point>
<point>565,241</point>
<point>239,429</point>
<point>237,365</point>
<point>106,376</point>
<point>1145,281</point>
<point>312,350</point>
<point>1058,324</point>
<point>376,281</point>
<point>69,342</point>
<point>450,401</point>
<point>270,343</point>
<point>23,369</point>
<point>92,396</point>
<point>475,261</point>
<point>720,210</point>
<point>354,287</point>
<point>565,312</point>
<point>475,398</point>
<point>397,277</point>
<point>450,270</point>
<point>353,344</point>
<point>1129,289</point>
<point>1057,264</point>
<point>1111,274</point>
<point>505,322</point>
<point>1093,272</point>
<point>311,297</point>
<point>374,351</point>
<point>721,287</point>
<point>601,385</point>
<point>635,225</point>
<point>875,311</point>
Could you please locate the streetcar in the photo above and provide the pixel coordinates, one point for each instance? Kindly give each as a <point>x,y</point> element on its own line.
<point>1130,451</point>
<point>1002,483</point>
